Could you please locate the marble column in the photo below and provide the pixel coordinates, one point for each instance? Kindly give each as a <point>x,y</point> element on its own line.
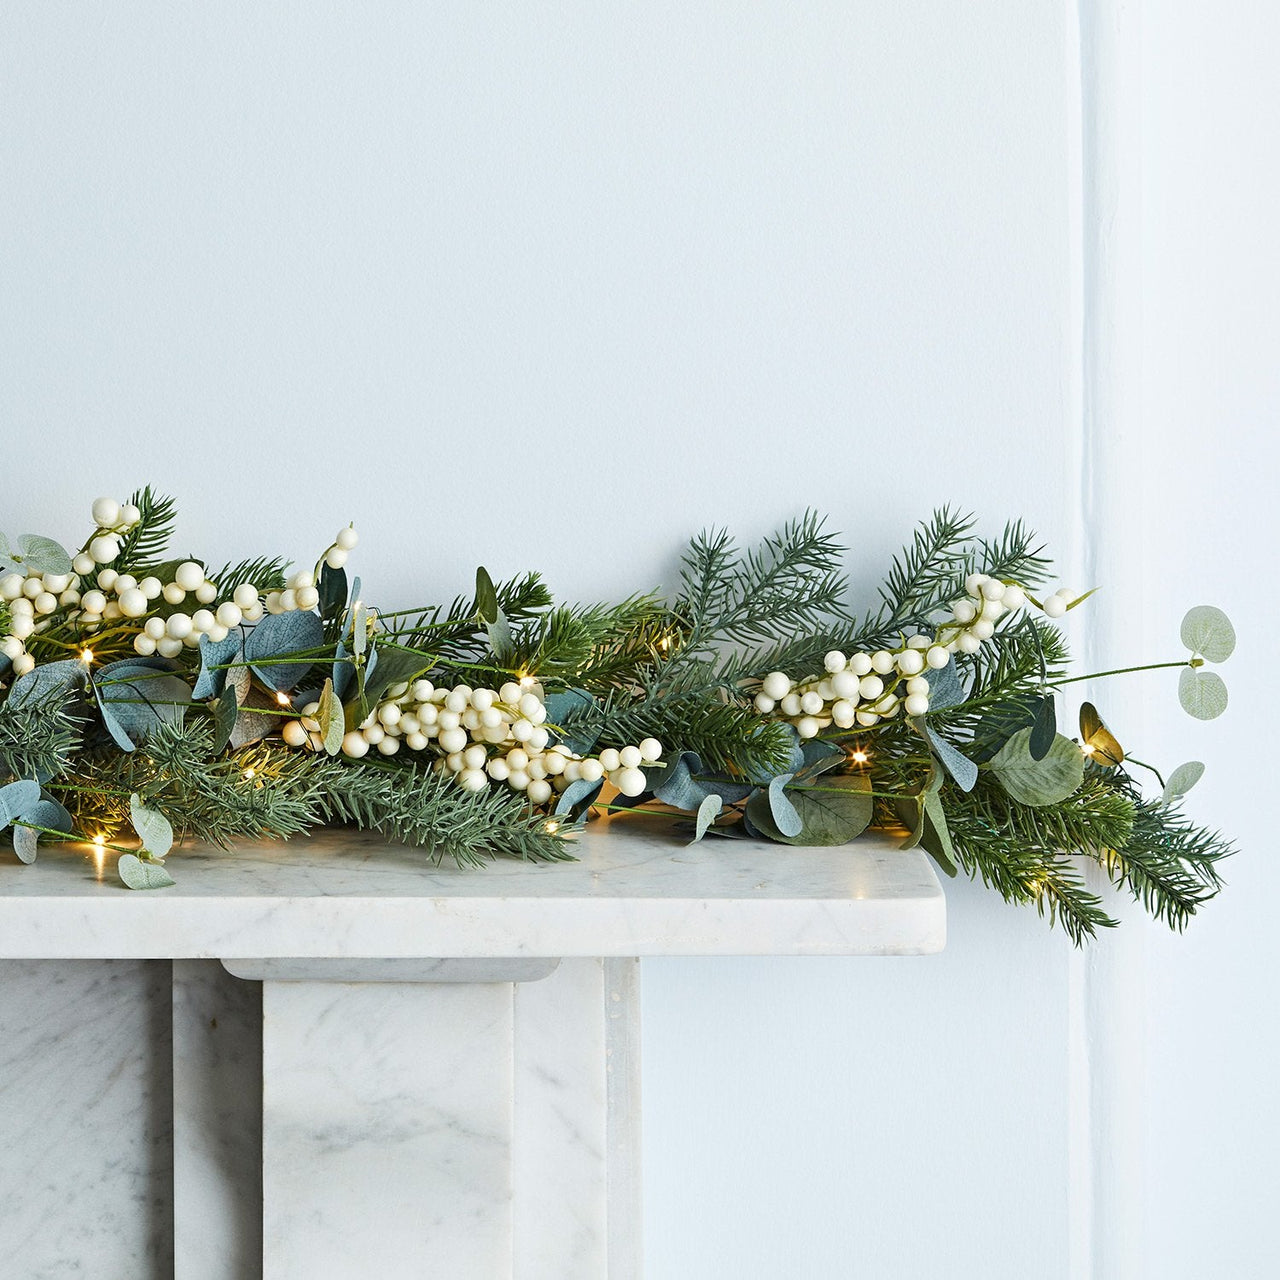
<point>460,1126</point>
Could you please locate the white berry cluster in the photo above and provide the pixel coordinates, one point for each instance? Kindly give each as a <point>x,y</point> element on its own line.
<point>865,688</point>
<point>94,594</point>
<point>300,591</point>
<point>32,596</point>
<point>482,736</point>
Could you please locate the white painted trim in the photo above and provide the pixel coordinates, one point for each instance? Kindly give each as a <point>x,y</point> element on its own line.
<point>1108,983</point>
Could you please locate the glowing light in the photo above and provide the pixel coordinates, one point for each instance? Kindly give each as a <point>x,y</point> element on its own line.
<point>526,682</point>
<point>1088,748</point>
<point>250,774</point>
<point>100,840</point>
<point>86,656</point>
<point>282,699</point>
<point>552,827</point>
<point>860,757</point>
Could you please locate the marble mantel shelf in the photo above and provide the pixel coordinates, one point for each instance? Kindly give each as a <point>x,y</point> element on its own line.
<point>637,890</point>
<point>446,1084</point>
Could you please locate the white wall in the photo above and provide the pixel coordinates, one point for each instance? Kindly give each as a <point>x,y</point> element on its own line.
<point>1211,388</point>
<point>553,286</point>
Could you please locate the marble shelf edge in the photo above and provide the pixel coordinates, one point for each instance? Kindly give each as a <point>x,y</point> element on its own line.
<point>340,896</point>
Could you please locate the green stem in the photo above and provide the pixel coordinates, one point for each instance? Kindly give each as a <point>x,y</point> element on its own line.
<point>1124,671</point>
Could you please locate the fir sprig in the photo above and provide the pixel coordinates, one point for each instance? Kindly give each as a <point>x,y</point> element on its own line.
<point>145,544</point>
<point>37,738</point>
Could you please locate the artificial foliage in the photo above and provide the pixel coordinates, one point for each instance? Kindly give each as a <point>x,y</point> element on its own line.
<point>150,699</point>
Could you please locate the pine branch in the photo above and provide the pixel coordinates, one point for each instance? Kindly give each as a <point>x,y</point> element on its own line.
<point>267,573</point>
<point>922,576</point>
<point>454,632</point>
<point>1020,851</point>
<point>1168,863</point>
<point>728,736</point>
<point>422,807</point>
<point>791,583</point>
<point>37,739</point>
<point>145,544</point>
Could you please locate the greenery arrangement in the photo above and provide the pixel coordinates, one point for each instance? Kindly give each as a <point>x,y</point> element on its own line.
<point>153,695</point>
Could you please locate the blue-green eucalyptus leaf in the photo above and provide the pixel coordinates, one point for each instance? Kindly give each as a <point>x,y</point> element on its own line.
<point>17,799</point>
<point>785,815</point>
<point>45,813</point>
<point>1203,694</point>
<point>283,635</point>
<point>1181,780</point>
<point>44,554</point>
<point>139,874</point>
<point>45,681</point>
<point>577,798</point>
<point>225,710</point>
<point>956,763</point>
<point>1043,729</point>
<point>561,706</point>
<point>682,786</point>
<point>945,686</point>
<point>819,757</point>
<point>153,828</point>
<point>1208,632</point>
<point>832,811</point>
<point>708,811</point>
<point>135,695</point>
<point>215,655</point>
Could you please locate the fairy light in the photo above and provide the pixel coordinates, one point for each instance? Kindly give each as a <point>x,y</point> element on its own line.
<point>526,682</point>
<point>552,827</point>
<point>860,757</point>
<point>282,699</point>
<point>86,656</point>
<point>1088,748</point>
<point>100,840</point>
<point>249,774</point>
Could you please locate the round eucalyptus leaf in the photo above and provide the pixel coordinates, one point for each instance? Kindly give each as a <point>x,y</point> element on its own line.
<point>1182,779</point>
<point>16,800</point>
<point>152,826</point>
<point>45,813</point>
<point>44,554</point>
<point>1208,632</point>
<point>1036,782</point>
<point>785,816</point>
<point>138,874</point>
<point>1203,694</point>
<point>832,811</point>
<point>708,812</point>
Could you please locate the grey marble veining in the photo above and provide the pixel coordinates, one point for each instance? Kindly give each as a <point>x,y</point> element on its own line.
<point>217,1123</point>
<point>560,1151</point>
<point>85,1157</point>
<point>386,1131</point>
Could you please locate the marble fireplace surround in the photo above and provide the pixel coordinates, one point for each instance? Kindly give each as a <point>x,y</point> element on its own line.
<point>385,1069</point>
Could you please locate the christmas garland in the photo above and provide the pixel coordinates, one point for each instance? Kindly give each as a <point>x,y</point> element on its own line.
<point>147,694</point>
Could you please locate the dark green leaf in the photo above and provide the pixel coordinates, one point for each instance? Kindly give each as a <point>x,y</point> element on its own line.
<point>1044,729</point>
<point>486,597</point>
<point>225,710</point>
<point>1039,782</point>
